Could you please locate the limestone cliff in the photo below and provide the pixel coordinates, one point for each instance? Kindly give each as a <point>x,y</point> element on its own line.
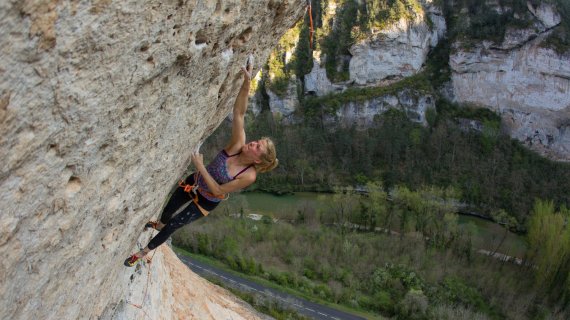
<point>397,51</point>
<point>382,57</point>
<point>520,77</point>
<point>524,81</point>
<point>361,114</point>
<point>101,104</point>
<point>164,288</point>
<point>317,82</point>
<point>286,105</point>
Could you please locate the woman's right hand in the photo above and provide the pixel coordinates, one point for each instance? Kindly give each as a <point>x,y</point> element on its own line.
<point>246,75</point>
<point>198,160</point>
<point>248,69</point>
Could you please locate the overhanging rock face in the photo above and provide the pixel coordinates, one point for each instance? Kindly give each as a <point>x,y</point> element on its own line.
<point>101,104</point>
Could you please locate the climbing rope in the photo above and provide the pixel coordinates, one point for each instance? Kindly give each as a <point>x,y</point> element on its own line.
<point>140,306</point>
<point>311,31</point>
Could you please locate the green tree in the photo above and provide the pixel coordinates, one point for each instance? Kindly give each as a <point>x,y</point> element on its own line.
<point>302,165</point>
<point>342,206</point>
<point>378,206</point>
<point>278,79</point>
<point>433,212</point>
<point>549,246</point>
<point>303,56</point>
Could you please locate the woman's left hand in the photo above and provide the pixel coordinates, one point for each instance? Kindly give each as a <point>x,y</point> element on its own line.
<point>198,159</point>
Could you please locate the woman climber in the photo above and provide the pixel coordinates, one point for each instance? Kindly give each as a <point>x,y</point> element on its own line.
<point>234,167</point>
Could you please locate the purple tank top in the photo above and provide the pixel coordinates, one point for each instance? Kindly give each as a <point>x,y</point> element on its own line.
<point>219,171</point>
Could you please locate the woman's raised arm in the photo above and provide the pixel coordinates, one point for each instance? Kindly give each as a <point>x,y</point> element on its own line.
<point>240,107</point>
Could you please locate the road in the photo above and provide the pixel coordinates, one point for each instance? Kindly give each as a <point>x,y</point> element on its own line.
<point>304,307</point>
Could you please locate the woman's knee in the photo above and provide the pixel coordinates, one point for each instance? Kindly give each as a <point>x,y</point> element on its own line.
<point>183,218</point>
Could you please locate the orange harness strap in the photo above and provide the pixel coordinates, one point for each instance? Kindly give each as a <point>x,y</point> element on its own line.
<point>193,189</point>
<point>187,187</point>
<point>190,188</point>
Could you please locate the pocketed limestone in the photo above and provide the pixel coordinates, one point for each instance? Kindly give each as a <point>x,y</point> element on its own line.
<point>101,105</point>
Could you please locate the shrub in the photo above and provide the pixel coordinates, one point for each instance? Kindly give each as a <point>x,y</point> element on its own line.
<point>414,306</point>
<point>204,246</point>
<point>380,302</point>
<point>451,312</point>
<point>455,291</point>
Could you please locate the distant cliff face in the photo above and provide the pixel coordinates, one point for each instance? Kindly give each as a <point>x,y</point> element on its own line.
<point>395,52</point>
<point>101,105</point>
<point>398,51</point>
<point>361,114</point>
<point>382,57</point>
<point>523,80</point>
<point>528,84</point>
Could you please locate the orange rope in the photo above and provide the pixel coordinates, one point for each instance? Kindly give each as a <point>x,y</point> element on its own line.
<point>311,21</point>
<point>140,306</point>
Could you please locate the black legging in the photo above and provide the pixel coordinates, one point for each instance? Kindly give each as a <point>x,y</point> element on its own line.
<point>188,215</point>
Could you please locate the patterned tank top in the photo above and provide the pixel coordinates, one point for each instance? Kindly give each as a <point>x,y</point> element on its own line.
<point>219,171</point>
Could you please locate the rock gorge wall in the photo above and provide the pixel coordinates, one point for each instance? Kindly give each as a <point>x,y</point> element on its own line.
<point>525,82</point>
<point>361,114</point>
<point>529,87</point>
<point>381,58</point>
<point>101,104</point>
<point>397,51</point>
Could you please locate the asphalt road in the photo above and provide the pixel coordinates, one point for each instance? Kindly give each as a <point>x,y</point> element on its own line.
<point>304,307</point>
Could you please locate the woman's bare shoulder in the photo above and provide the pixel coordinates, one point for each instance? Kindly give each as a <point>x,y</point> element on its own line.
<point>233,149</point>
<point>250,174</point>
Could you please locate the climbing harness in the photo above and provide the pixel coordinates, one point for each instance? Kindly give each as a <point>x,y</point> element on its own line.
<point>193,189</point>
<point>311,31</point>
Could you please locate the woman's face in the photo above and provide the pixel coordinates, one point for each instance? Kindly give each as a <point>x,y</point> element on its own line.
<point>255,149</point>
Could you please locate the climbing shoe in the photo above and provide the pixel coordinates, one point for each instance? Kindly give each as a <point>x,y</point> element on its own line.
<point>132,260</point>
<point>152,225</point>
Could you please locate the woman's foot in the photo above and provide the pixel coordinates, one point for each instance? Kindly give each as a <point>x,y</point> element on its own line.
<point>156,225</point>
<point>134,258</point>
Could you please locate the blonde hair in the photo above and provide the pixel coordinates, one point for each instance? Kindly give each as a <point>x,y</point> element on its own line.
<point>268,159</point>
